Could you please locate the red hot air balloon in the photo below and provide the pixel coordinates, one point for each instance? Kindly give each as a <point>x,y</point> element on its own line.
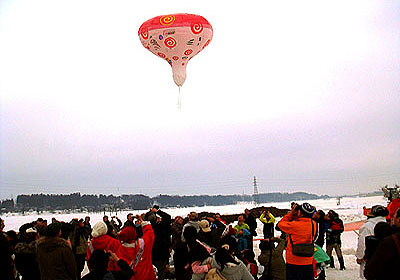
<point>176,38</point>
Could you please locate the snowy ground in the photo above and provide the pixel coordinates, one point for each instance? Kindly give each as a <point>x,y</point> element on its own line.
<point>350,210</point>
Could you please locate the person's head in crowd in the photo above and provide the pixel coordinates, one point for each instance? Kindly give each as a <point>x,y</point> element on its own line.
<point>319,215</point>
<point>205,226</point>
<point>155,208</point>
<point>266,245</point>
<point>29,235</point>
<point>98,262</point>
<point>105,219</point>
<point>151,217</point>
<point>53,220</point>
<point>304,210</point>
<point>229,243</point>
<point>127,235</point>
<point>246,212</point>
<point>240,219</point>
<point>2,225</point>
<point>12,237</point>
<point>53,230</point>
<point>190,234</point>
<point>223,256</point>
<point>218,216</point>
<point>382,230</point>
<point>378,211</point>
<point>193,216</point>
<point>130,217</point>
<point>249,256</point>
<point>67,228</point>
<point>231,230</point>
<point>87,220</point>
<point>81,223</point>
<point>99,229</point>
<point>179,220</point>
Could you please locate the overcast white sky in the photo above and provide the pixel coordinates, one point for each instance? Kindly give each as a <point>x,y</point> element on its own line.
<point>305,95</point>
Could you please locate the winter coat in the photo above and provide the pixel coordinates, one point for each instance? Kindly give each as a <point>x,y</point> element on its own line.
<point>278,266</point>
<point>252,223</point>
<point>55,259</point>
<point>142,246</point>
<point>102,241</point>
<point>334,231</point>
<point>268,225</point>
<point>162,237</point>
<point>25,261</point>
<point>176,232</point>
<point>125,273</point>
<point>366,229</point>
<point>79,238</point>
<point>300,231</point>
<point>233,271</point>
<point>385,262</point>
<point>6,267</point>
<point>322,228</point>
<point>392,207</point>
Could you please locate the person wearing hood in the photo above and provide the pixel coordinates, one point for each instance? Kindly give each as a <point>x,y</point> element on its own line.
<point>193,222</point>
<point>54,255</point>
<point>230,267</point>
<point>25,255</point>
<point>137,251</point>
<point>102,241</point>
<point>377,214</point>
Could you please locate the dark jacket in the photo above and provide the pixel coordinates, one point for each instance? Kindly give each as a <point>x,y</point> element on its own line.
<point>334,231</point>
<point>55,258</point>
<point>252,223</point>
<point>278,266</point>
<point>322,227</point>
<point>124,274</point>
<point>385,262</point>
<point>176,231</point>
<point>25,261</point>
<point>162,240</point>
<point>5,258</point>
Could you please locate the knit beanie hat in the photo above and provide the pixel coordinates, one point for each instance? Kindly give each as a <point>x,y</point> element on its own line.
<point>100,228</point>
<point>127,235</point>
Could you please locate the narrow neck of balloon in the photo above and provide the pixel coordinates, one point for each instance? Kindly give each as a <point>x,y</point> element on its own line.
<point>179,74</point>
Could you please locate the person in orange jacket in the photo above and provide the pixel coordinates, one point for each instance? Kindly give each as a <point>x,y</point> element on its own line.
<point>301,230</point>
<point>138,251</point>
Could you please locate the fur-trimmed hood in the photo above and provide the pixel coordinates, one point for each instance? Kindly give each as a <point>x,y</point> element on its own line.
<point>26,248</point>
<point>50,244</point>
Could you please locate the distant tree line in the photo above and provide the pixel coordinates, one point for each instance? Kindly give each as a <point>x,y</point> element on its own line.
<point>91,202</point>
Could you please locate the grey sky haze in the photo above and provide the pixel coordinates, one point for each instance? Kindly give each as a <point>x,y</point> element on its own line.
<point>305,96</point>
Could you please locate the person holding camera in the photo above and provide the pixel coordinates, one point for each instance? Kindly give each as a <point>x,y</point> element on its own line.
<point>300,247</point>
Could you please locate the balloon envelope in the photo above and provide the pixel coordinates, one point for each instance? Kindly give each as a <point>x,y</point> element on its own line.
<point>176,38</point>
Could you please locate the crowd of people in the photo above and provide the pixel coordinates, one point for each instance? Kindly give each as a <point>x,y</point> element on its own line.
<point>154,246</point>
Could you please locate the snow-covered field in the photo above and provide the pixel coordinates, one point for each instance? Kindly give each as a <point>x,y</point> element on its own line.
<point>350,210</point>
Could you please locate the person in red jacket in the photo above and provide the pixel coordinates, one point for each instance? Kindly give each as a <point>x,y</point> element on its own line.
<point>301,230</point>
<point>102,241</point>
<point>138,252</point>
<point>392,207</point>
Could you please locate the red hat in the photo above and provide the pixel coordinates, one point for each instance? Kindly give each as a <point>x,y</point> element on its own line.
<point>127,235</point>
